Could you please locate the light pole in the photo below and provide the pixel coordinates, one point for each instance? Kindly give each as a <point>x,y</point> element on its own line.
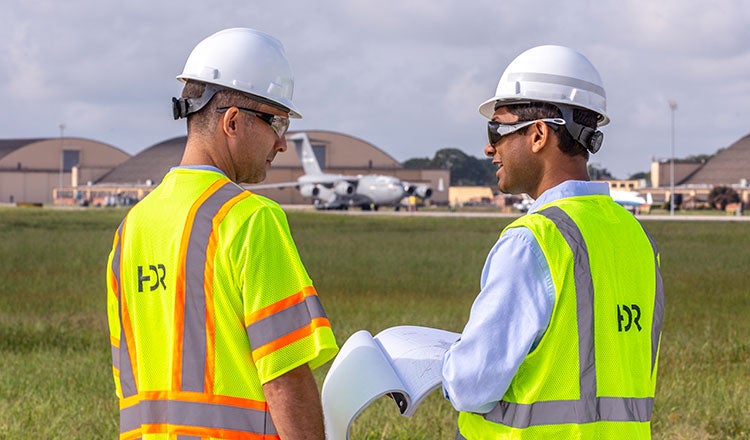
<point>62,145</point>
<point>672,107</point>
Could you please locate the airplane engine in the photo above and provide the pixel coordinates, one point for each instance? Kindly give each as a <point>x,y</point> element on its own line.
<point>423,191</point>
<point>343,188</point>
<point>308,190</point>
<point>324,194</point>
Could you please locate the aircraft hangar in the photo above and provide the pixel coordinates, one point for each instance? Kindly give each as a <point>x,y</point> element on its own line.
<point>337,153</point>
<point>30,169</point>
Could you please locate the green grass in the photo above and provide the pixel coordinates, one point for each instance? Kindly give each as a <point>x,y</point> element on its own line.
<point>371,273</point>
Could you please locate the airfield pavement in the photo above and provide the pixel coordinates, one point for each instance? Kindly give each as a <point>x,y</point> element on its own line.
<point>467,214</point>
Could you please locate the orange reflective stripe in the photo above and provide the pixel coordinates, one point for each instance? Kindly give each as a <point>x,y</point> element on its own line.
<point>280,305</point>
<point>175,430</point>
<point>114,286</point>
<point>179,311</point>
<point>290,338</point>
<point>193,413</point>
<point>191,396</point>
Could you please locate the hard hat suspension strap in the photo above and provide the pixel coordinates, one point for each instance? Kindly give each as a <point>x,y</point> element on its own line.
<point>182,107</point>
<point>590,138</point>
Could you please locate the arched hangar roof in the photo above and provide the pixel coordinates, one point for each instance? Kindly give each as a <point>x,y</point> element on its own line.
<point>43,154</point>
<point>152,164</point>
<point>341,151</point>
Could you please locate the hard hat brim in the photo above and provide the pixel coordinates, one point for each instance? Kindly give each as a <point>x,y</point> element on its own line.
<point>487,108</point>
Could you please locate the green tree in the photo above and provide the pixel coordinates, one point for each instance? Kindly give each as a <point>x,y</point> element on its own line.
<point>417,163</point>
<point>597,172</point>
<point>642,175</point>
<point>464,169</point>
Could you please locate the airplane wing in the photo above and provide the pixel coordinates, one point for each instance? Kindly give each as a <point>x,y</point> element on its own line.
<point>272,185</point>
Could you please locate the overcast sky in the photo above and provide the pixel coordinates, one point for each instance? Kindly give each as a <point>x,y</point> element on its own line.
<point>405,75</point>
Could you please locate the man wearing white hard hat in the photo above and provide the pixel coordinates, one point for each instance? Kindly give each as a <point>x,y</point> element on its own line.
<point>563,338</point>
<point>214,322</point>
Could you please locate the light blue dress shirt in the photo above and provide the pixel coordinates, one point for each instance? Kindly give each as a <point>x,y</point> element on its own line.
<point>510,314</point>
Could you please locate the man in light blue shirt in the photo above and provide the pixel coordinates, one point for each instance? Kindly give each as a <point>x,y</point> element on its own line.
<point>543,126</point>
<point>510,314</point>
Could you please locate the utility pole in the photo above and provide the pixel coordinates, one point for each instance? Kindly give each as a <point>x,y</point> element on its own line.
<point>672,107</point>
<point>62,157</point>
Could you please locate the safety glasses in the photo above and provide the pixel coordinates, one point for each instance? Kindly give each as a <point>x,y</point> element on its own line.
<point>279,124</point>
<point>496,130</point>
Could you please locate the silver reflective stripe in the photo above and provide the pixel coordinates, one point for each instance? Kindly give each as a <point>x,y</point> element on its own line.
<point>658,306</point>
<point>285,321</point>
<point>205,415</point>
<point>194,332</point>
<point>115,357</point>
<point>557,79</point>
<point>127,379</point>
<point>189,437</point>
<point>588,408</point>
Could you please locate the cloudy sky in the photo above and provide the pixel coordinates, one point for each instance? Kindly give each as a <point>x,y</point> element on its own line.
<point>405,75</point>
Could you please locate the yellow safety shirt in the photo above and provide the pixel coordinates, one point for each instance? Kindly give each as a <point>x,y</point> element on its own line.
<point>207,301</point>
<point>593,374</point>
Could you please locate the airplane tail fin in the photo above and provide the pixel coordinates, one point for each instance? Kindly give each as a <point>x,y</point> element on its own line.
<point>305,153</point>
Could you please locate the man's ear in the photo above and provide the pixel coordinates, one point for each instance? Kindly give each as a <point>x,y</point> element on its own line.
<point>540,136</point>
<point>229,122</point>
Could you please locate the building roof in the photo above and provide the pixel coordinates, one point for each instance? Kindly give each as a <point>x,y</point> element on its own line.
<point>8,146</point>
<point>151,164</point>
<point>728,167</point>
<point>344,151</point>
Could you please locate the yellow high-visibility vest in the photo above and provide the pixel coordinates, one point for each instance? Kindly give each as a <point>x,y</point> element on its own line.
<point>207,301</point>
<point>593,374</point>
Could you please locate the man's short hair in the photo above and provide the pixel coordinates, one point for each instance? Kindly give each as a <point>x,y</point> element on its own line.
<point>539,110</point>
<point>204,120</point>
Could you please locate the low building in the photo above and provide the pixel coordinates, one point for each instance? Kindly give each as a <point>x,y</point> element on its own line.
<point>694,181</point>
<point>337,153</point>
<point>470,195</point>
<point>31,169</point>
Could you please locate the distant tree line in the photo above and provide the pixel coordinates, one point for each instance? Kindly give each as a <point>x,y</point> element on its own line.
<point>465,170</point>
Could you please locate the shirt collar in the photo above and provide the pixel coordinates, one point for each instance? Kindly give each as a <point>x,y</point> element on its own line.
<point>570,188</point>
<point>199,167</point>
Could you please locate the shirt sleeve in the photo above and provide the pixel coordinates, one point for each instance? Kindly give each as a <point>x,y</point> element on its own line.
<point>507,320</point>
<point>285,320</point>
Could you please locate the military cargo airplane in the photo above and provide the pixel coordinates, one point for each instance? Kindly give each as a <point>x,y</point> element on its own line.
<point>340,191</point>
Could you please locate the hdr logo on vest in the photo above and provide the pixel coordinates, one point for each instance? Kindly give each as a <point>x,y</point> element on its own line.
<point>159,272</point>
<point>633,315</point>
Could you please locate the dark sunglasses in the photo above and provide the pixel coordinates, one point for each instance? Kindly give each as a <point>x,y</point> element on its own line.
<point>496,130</point>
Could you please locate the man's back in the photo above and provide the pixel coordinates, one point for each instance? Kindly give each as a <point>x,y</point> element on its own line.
<point>213,301</point>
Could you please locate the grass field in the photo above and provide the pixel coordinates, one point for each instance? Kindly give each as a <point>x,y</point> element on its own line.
<point>372,273</point>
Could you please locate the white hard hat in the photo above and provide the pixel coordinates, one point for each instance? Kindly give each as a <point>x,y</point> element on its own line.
<point>246,60</point>
<point>554,74</point>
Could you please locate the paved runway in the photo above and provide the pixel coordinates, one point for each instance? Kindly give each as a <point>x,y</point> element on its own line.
<point>469,214</point>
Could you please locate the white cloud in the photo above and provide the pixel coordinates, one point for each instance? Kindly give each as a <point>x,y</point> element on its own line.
<point>406,76</point>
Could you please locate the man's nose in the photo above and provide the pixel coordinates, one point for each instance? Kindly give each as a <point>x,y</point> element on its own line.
<point>281,144</point>
<point>489,150</point>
